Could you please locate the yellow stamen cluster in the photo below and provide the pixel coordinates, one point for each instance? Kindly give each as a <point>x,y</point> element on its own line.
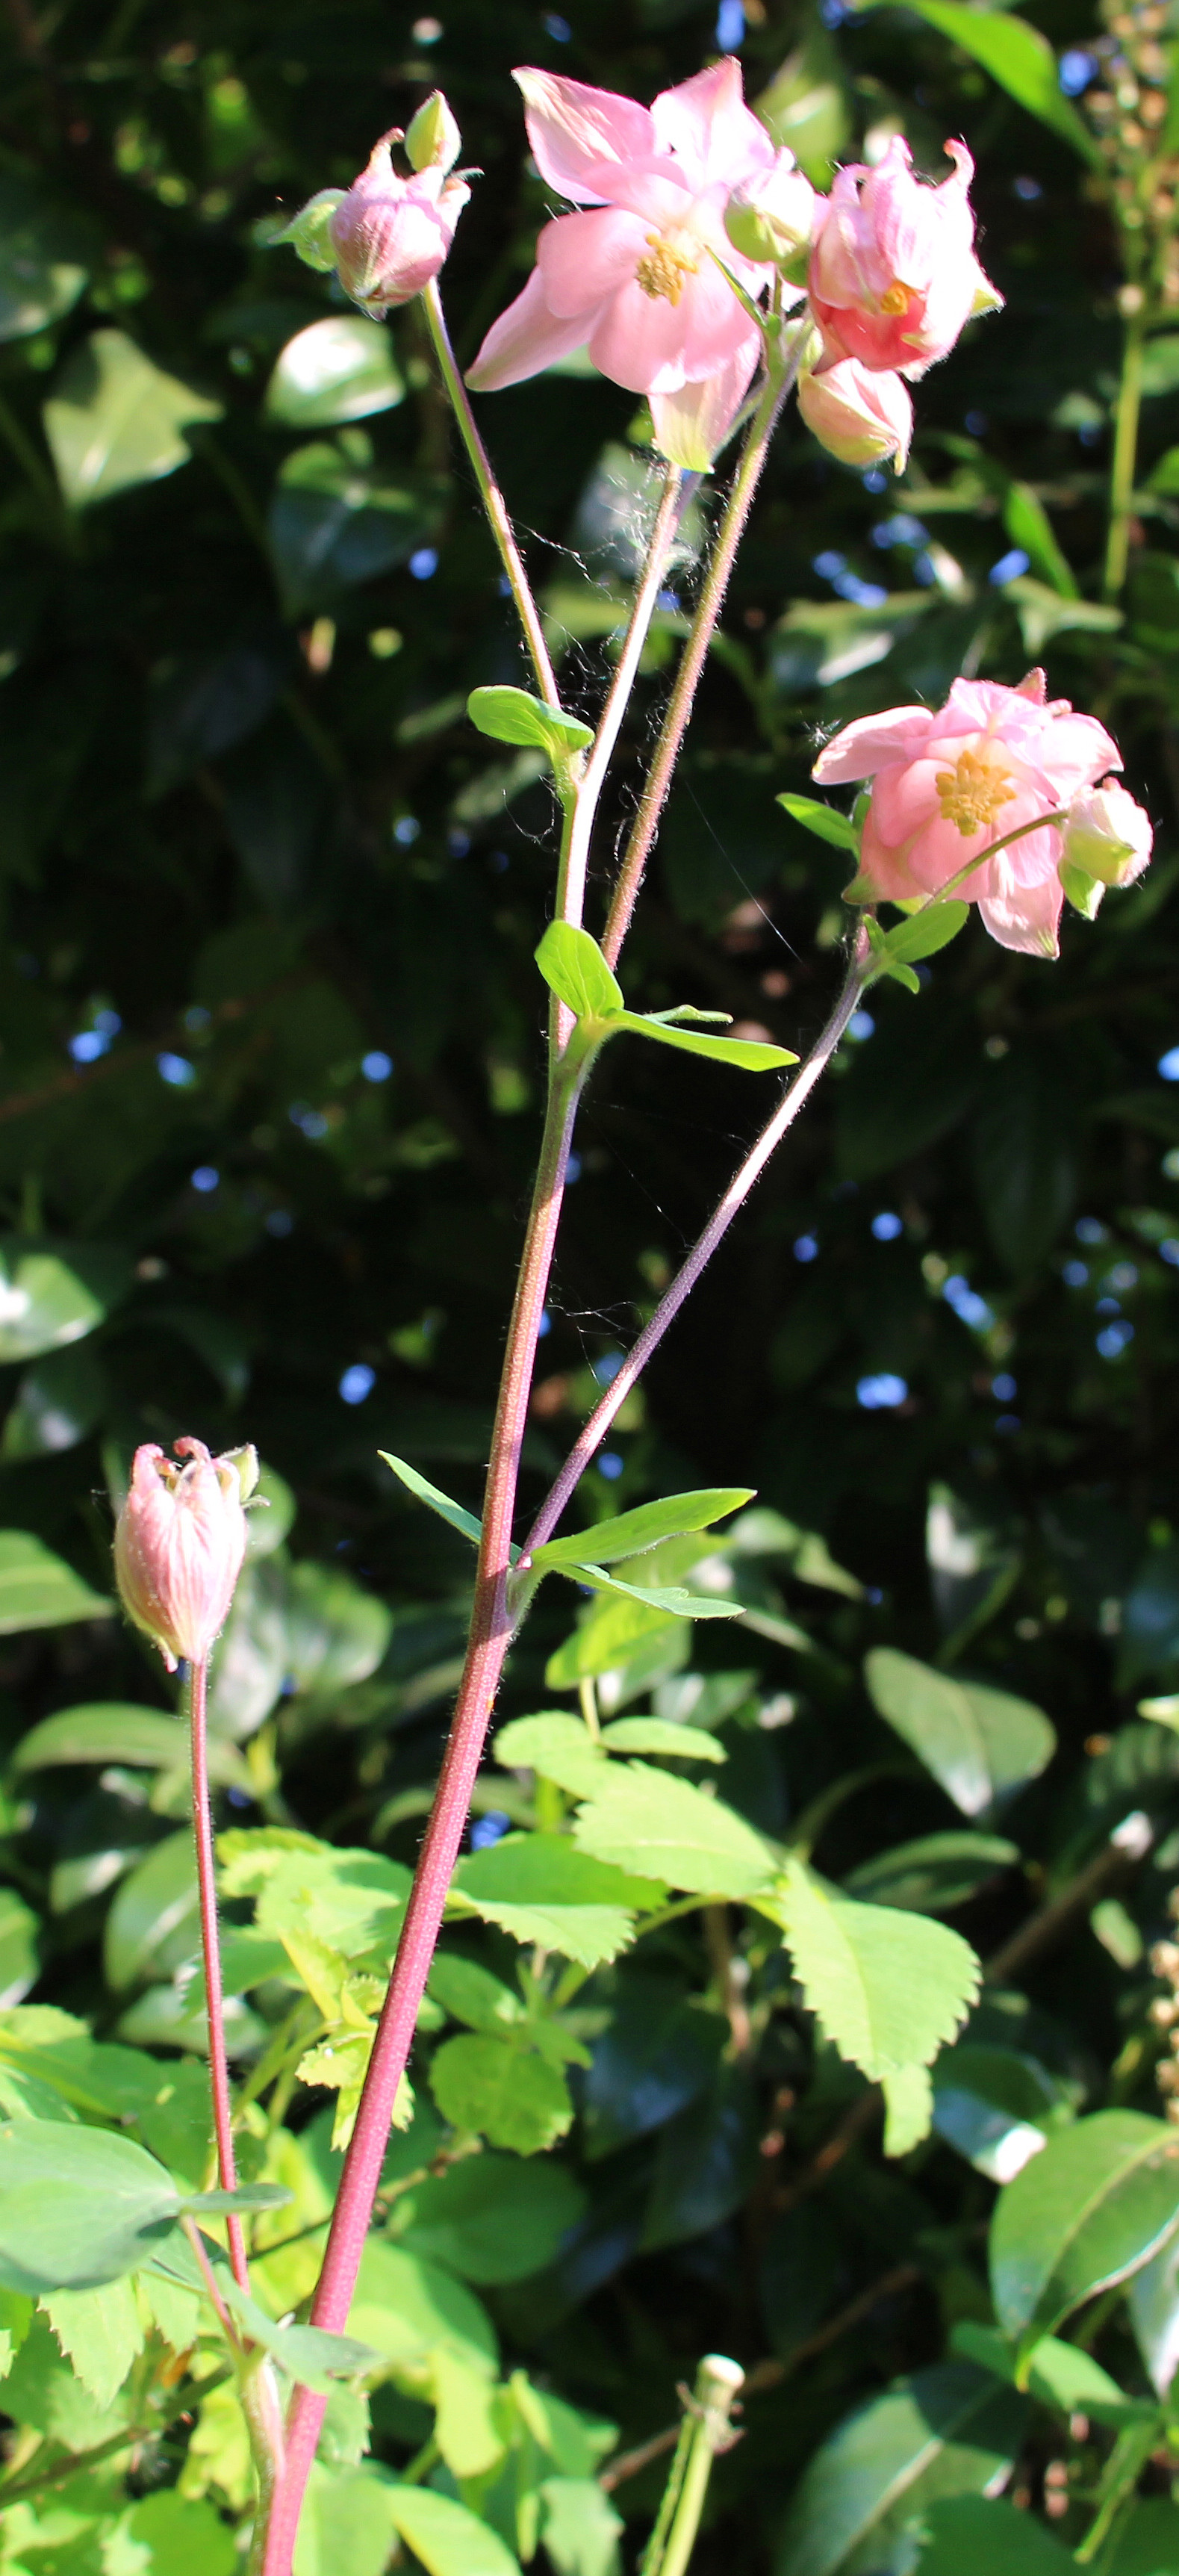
<point>664,272</point>
<point>971,793</point>
<point>897,298</point>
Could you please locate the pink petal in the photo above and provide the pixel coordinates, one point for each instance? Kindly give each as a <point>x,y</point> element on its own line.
<point>1075,751</point>
<point>638,341</point>
<point>584,258</point>
<point>707,125</point>
<point>691,425</point>
<point>526,339</point>
<point>1023,917</point>
<point>905,800</point>
<point>865,746</point>
<point>715,325</point>
<point>575,130</point>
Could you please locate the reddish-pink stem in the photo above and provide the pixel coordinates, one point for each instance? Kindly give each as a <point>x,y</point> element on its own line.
<point>599,1422</point>
<point>491,1634</point>
<point>202,1827</point>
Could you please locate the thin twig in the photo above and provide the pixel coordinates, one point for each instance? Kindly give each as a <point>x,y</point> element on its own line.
<point>202,1827</point>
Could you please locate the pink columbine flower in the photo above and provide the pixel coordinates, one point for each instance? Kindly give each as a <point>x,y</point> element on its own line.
<point>179,1545</point>
<point>862,415</point>
<point>1107,835</point>
<point>636,280</point>
<point>893,275</point>
<point>390,236</point>
<point>945,785</point>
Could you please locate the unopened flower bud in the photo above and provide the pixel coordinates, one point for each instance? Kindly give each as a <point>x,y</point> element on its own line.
<point>771,216</point>
<point>390,236</point>
<point>859,414</point>
<point>179,1544</point>
<point>1107,834</point>
<point>432,138</point>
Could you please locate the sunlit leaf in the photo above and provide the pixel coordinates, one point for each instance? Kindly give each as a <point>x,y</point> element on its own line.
<point>115,419</point>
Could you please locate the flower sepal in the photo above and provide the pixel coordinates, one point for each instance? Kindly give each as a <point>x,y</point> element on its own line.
<point>1082,891</point>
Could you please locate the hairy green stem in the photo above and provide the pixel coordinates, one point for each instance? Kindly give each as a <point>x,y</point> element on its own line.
<point>491,496</point>
<point>1125,456</point>
<point>195,1689</point>
<point>704,2432</point>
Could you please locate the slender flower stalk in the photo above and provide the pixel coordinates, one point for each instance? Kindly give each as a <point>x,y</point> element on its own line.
<point>195,1691</point>
<point>705,2430</point>
<point>646,601</point>
<point>490,495</point>
<point>1123,468</point>
<point>680,703</point>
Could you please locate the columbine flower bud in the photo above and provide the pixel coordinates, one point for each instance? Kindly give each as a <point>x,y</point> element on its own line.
<point>390,236</point>
<point>771,216</point>
<point>179,1544</point>
<point>861,415</point>
<point>1107,835</point>
<point>432,138</point>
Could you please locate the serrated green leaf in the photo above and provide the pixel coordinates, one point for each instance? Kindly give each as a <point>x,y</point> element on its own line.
<point>511,715</point>
<point>1100,2200</point>
<point>825,821</point>
<point>750,1055</point>
<point>544,1888</point>
<point>482,2083</point>
<point>630,1533</point>
<point>908,2109</point>
<point>662,1735</point>
<point>436,1501</point>
<point>887,1988</point>
<point>554,1744</point>
<point>1018,57</point>
<point>100,2332</point>
<point>651,1821</point>
<point>78,2207</point>
<point>981,1744</point>
<point>575,970</point>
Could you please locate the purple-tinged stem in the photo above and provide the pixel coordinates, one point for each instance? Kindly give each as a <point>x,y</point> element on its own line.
<point>799,1091</point>
<point>202,1828</point>
<point>490,495</point>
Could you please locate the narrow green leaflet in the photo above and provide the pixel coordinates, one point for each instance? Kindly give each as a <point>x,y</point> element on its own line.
<point>1028,525</point>
<point>317,2360</point>
<point>752,1055</point>
<point>606,1542</point>
<point>77,2206</point>
<point>888,1988</point>
<point>1100,2200</point>
<point>980,1744</point>
<point>1064,2376</point>
<point>662,1735</point>
<point>1018,57</point>
<point>464,1522</point>
<point>511,715</point>
<point>651,1821</point>
<point>340,369</point>
<point>38,1590</point>
<point>926,931</point>
<point>575,970</point>
<point>115,420</point>
<point>670,1598</point>
<point>448,2539</point>
<point>114,1731</point>
<point>557,1746</point>
<point>825,821</point>
<point>947,2429</point>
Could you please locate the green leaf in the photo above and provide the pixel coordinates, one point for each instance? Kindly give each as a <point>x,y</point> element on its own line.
<point>118,1731</point>
<point>933,1875</point>
<point>751,1055</point>
<point>629,1533</point>
<point>946,2431</point>
<point>1029,526</point>
<point>555,1745</point>
<point>336,519</point>
<point>1100,2200</point>
<point>115,420</point>
<point>671,1600</point>
<point>307,2354</point>
<point>57,1404</point>
<point>1018,57</point>
<point>42,251</point>
<point>511,715</point>
<point>662,1735</point>
<point>887,1988</point>
<point>514,2101</point>
<point>38,1590</point>
<point>54,1294</point>
<point>926,931</point>
<point>20,1946</point>
<point>340,369</point>
<point>100,2332</point>
<point>547,1889</point>
<point>980,1744</point>
<point>575,970</point>
<point>996,2106</point>
<point>490,2219</point>
<point>908,2109</point>
<point>825,821</point>
<point>184,2535</point>
<point>1160,369</point>
<point>1062,2375</point>
<point>153,1926</point>
<point>974,2536</point>
<point>245,2195</point>
<point>78,2206</point>
<point>472,1994</point>
<point>449,2540</point>
<point>351,1901</point>
<point>435,1501</point>
<point>650,1821</point>
<point>614,1634</point>
<point>581,2529</point>
<point>412,2310</point>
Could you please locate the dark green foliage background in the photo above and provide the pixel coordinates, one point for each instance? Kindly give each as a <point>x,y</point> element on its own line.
<point>197,833</point>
